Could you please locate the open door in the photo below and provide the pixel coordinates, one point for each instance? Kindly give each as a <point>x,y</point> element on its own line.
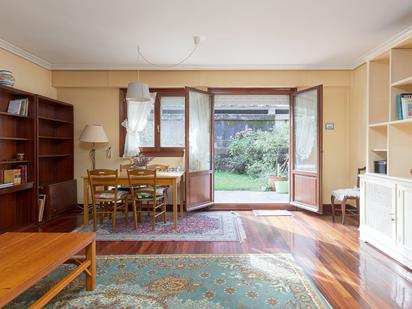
<point>199,149</point>
<point>306,149</point>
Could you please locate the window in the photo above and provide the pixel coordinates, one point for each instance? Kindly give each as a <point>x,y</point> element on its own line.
<point>147,135</point>
<point>164,132</point>
<point>172,121</point>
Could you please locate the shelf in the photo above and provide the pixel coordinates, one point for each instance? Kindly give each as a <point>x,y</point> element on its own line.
<point>17,188</point>
<point>380,150</point>
<point>22,139</point>
<point>404,82</point>
<point>14,115</point>
<point>14,162</point>
<point>401,122</point>
<point>55,120</point>
<point>55,155</point>
<point>55,138</point>
<point>378,124</point>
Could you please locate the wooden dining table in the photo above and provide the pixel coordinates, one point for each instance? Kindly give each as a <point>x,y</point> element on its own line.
<point>172,179</point>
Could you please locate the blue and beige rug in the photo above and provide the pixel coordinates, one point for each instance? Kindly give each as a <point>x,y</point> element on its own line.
<point>196,226</point>
<point>186,281</point>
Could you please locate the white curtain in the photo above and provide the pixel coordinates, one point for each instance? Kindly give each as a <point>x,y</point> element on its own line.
<point>137,116</point>
<point>306,130</point>
<point>199,131</point>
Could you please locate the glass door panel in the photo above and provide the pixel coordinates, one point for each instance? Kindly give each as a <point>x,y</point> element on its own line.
<point>199,150</point>
<point>306,131</point>
<point>306,150</point>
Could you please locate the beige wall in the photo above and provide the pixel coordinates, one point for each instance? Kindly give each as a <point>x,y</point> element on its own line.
<point>357,122</point>
<point>95,97</point>
<point>29,76</point>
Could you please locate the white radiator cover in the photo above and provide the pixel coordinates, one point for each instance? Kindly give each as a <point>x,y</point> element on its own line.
<point>386,215</point>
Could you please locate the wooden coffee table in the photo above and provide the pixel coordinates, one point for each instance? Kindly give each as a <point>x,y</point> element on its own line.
<point>26,258</point>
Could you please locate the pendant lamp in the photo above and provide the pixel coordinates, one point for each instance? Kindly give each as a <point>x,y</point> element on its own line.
<point>138,92</point>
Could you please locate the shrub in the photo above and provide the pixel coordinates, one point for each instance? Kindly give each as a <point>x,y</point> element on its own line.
<point>259,153</point>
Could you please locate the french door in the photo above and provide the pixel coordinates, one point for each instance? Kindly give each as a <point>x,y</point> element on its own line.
<point>306,149</point>
<point>199,123</point>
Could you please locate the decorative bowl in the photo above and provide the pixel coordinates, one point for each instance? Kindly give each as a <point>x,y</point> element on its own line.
<point>6,78</point>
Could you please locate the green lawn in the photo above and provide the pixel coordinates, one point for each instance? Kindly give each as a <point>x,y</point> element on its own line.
<point>226,181</point>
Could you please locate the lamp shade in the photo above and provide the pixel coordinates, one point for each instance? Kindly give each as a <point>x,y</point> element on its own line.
<point>93,133</point>
<point>138,92</point>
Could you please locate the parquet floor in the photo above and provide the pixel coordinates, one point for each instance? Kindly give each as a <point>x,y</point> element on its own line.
<point>349,273</point>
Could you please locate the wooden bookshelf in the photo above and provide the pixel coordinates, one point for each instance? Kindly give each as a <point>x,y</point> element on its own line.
<point>55,155</point>
<point>17,188</point>
<point>45,136</point>
<point>18,202</point>
<point>389,138</point>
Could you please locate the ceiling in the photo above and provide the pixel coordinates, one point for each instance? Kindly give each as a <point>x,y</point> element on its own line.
<point>235,34</point>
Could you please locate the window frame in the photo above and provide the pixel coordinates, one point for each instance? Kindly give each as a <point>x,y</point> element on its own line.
<point>157,150</point>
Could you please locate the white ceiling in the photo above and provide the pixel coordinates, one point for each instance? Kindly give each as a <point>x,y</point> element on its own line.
<point>234,34</point>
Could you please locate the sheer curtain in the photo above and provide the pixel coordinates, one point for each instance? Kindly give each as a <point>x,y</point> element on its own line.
<point>137,116</point>
<point>199,131</point>
<point>306,131</point>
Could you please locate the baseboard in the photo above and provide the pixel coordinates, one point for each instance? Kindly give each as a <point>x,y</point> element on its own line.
<point>327,208</point>
<point>238,207</point>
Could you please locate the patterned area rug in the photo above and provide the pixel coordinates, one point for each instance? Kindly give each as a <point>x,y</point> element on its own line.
<point>186,281</point>
<point>197,226</point>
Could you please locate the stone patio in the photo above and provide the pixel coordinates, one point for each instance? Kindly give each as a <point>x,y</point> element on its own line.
<point>248,197</point>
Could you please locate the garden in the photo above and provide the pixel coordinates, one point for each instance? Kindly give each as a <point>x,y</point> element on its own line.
<point>254,161</point>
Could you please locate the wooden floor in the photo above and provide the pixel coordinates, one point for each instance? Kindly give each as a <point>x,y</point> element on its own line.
<point>350,274</point>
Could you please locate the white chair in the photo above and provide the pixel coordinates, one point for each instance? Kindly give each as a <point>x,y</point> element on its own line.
<point>343,195</point>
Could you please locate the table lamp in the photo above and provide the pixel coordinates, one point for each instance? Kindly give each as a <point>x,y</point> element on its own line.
<point>93,133</point>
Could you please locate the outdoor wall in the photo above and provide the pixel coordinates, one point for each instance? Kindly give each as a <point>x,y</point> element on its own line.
<point>95,97</point>
<point>29,76</point>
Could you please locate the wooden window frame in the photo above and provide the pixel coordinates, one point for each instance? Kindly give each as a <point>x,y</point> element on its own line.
<point>157,150</point>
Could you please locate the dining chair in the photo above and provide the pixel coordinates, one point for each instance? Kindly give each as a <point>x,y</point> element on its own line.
<point>125,167</point>
<point>150,196</point>
<point>106,198</point>
<point>158,167</point>
<point>343,195</point>
<point>164,168</point>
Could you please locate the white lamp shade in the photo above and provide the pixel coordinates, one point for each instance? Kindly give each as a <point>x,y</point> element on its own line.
<point>138,92</point>
<point>93,133</point>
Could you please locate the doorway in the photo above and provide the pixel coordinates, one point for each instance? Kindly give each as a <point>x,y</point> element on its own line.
<point>252,153</point>
<point>251,148</point>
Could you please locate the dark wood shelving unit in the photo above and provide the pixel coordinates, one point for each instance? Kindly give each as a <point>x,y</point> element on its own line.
<point>14,115</point>
<point>55,120</point>
<point>17,188</point>
<point>54,137</point>
<point>21,139</point>
<point>55,155</point>
<point>14,162</point>
<point>45,137</point>
<point>18,203</point>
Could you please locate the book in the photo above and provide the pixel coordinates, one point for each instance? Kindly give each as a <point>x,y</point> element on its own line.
<point>41,203</point>
<point>399,107</point>
<point>14,107</point>
<point>12,176</point>
<point>23,169</point>
<point>406,99</point>
<point>6,185</point>
<point>8,176</point>
<point>25,107</point>
<point>18,107</point>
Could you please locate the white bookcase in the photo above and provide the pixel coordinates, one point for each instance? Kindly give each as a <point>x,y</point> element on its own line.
<point>386,200</point>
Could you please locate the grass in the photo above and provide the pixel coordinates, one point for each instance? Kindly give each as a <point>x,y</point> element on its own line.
<point>226,181</point>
